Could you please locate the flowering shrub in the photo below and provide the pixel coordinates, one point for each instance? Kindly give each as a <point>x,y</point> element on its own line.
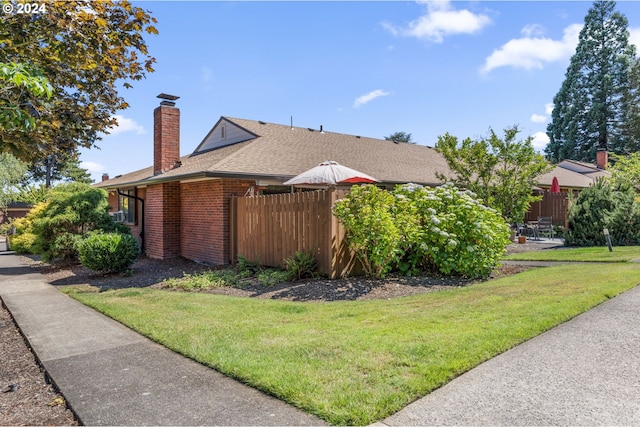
<point>415,229</point>
<point>456,234</point>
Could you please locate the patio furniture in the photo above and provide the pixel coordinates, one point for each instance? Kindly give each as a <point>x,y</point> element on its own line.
<point>545,225</point>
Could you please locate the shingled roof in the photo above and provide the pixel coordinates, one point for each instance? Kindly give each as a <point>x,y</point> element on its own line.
<point>573,174</point>
<point>278,152</point>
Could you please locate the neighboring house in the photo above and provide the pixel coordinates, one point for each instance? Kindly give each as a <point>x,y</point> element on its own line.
<point>574,175</point>
<point>180,205</point>
<point>15,210</point>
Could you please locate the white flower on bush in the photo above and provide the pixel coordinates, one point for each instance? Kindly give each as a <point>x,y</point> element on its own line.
<point>411,187</point>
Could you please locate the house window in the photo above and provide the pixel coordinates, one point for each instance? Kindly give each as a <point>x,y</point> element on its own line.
<point>223,132</point>
<point>127,206</point>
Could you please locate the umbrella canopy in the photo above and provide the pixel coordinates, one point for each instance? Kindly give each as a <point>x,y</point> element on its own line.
<point>330,173</point>
<point>555,187</point>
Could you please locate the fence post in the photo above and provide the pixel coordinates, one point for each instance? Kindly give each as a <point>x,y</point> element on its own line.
<point>233,229</point>
<point>333,245</point>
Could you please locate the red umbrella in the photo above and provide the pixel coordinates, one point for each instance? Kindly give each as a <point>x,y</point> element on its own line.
<point>555,187</point>
<point>330,173</point>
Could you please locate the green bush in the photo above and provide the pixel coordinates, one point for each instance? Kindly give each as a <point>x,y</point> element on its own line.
<point>22,243</point>
<point>246,265</point>
<point>108,252</point>
<point>415,229</point>
<point>454,232</point>
<point>601,206</point>
<point>367,213</point>
<point>301,265</point>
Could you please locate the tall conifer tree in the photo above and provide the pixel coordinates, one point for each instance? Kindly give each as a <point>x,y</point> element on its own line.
<point>591,109</point>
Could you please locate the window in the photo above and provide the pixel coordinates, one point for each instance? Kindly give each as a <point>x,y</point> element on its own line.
<point>127,206</point>
<point>223,132</point>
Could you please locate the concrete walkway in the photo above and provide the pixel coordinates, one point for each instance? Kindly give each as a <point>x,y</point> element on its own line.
<point>111,375</point>
<point>583,372</point>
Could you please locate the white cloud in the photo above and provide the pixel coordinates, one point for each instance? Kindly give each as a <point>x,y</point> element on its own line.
<point>532,30</point>
<point>548,108</point>
<point>538,118</point>
<point>540,141</point>
<point>439,21</point>
<point>533,52</point>
<point>93,167</point>
<point>126,125</point>
<point>364,99</point>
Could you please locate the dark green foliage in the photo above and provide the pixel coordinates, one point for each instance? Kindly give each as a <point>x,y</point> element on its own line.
<point>245,264</point>
<point>599,207</point>
<point>592,108</point>
<point>301,265</point>
<point>108,252</point>
<point>400,138</point>
<point>73,209</point>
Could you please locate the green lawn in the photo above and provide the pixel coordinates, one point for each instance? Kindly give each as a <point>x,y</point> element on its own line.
<point>591,254</point>
<point>357,362</point>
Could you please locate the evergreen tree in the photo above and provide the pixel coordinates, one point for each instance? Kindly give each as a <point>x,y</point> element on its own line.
<point>591,108</point>
<point>400,137</point>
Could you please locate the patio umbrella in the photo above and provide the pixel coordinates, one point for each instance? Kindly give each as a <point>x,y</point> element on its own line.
<point>555,187</point>
<point>330,173</point>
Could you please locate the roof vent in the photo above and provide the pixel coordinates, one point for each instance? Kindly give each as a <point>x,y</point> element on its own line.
<point>261,122</point>
<point>310,129</point>
<point>321,130</point>
<point>358,136</point>
<point>168,99</point>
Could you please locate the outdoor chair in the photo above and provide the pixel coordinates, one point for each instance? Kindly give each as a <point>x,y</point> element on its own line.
<point>545,225</point>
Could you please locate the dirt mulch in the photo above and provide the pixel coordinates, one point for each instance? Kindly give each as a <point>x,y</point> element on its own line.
<point>36,402</point>
<point>27,399</point>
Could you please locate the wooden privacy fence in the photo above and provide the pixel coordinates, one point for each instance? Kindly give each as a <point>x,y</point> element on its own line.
<point>555,205</point>
<point>273,227</point>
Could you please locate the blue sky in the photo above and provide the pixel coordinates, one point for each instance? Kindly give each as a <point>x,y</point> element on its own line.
<point>367,68</point>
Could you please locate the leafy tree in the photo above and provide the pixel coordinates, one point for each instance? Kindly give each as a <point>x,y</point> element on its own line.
<point>12,172</point>
<point>58,168</point>
<point>71,211</point>
<point>86,49</point>
<point>592,106</point>
<point>22,91</point>
<point>501,171</point>
<point>400,137</point>
<point>626,170</point>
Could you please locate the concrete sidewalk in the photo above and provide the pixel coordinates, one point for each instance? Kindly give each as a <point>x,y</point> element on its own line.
<point>111,375</point>
<point>583,372</point>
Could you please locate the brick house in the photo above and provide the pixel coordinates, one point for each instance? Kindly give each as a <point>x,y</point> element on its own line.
<point>179,207</point>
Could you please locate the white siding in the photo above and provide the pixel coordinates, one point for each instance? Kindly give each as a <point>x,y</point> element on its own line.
<point>224,133</point>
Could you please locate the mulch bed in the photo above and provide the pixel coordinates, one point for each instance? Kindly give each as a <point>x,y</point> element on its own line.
<point>36,402</point>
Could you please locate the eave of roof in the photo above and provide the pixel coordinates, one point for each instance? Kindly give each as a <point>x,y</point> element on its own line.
<point>271,156</point>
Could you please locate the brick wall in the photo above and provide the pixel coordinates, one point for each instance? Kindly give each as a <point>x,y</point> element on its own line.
<point>205,218</point>
<point>166,138</point>
<point>162,223</point>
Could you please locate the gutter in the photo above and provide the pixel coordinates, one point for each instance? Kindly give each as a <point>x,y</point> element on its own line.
<point>141,200</point>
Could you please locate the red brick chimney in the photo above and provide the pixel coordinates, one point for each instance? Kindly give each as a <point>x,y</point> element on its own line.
<point>105,177</point>
<point>166,135</point>
<point>602,158</point>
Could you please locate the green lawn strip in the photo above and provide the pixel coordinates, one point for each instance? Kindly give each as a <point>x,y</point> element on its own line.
<point>357,362</point>
<point>591,254</point>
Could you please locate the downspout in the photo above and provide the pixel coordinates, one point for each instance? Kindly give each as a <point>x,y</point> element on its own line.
<point>141,200</point>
